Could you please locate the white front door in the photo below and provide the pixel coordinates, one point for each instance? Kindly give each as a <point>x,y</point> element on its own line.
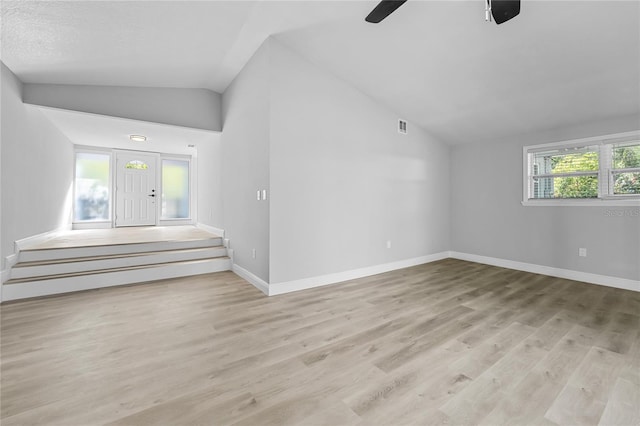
<point>136,193</point>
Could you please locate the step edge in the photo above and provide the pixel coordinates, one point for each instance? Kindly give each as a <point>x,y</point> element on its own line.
<point>31,263</point>
<point>37,290</point>
<point>112,270</point>
<point>27,249</point>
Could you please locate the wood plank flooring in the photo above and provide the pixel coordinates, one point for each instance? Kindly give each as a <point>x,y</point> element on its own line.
<point>450,342</point>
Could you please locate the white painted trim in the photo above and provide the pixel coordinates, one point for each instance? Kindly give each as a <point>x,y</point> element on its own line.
<point>594,202</point>
<point>587,277</point>
<point>219,232</point>
<point>39,238</point>
<point>193,196</point>
<point>8,264</point>
<point>11,260</point>
<point>4,275</point>
<point>251,278</point>
<point>306,283</point>
<point>80,149</point>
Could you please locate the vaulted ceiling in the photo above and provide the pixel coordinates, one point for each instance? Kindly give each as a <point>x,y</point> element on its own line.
<point>436,63</point>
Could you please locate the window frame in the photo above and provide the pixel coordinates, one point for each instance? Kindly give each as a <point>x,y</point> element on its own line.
<point>605,172</point>
<point>192,206</point>
<point>611,170</point>
<point>96,223</point>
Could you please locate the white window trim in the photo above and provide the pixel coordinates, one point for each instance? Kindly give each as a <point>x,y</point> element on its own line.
<point>192,202</point>
<point>99,223</point>
<point>604,199</point>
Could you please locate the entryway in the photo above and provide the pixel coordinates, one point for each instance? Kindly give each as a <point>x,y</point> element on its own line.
<point>121,188</point>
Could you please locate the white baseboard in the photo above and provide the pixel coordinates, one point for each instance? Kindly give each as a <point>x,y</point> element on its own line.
<point>587,277</point>
<point>39,238</point>
<point>306,283</point>
<point>258,283</point>
<point>212,229</point>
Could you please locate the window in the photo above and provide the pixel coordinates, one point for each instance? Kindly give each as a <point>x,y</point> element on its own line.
<point>175,189</point>
<point>91,187</point>
<point>597,169</point>
<point>565,173</point>
<point>136,164</point>
<point>625,169</point>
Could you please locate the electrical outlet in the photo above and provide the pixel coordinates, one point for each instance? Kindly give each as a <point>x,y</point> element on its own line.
<point>389,244</point>
<point>582,252</point>
<point>253,253</point>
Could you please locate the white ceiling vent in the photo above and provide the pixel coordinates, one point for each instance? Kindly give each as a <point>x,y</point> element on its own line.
<point>402,126</point>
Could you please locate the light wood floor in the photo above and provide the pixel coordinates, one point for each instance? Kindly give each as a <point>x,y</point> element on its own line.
<point>125,235</point>
<point>450,342</point>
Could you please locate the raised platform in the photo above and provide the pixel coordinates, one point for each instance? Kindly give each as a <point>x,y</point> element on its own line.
<point>88,259</point>
<point>126,235</point>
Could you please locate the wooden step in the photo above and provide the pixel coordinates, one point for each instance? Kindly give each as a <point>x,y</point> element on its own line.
<point>51,254</point>
<point>97,263</point>
<point>99,271</point>
<point>55,284</point>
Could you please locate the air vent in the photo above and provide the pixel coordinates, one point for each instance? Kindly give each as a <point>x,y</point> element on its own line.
<point>402,127</point>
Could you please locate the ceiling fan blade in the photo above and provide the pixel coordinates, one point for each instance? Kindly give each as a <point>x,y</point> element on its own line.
<point>383,9</point>
<point>503,10</point>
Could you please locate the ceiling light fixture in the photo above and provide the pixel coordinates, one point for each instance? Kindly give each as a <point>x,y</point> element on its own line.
<point>137,138</point>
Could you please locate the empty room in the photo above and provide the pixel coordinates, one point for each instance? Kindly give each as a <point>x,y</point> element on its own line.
<point>320,212</point>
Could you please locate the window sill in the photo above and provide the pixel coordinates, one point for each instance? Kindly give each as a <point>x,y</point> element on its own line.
<point>600,202</point>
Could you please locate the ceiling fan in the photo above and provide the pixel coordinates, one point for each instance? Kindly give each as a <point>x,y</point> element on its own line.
<point>501,10</point>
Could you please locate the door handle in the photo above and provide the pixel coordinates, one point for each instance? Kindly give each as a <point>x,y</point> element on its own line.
<point>151,195</point>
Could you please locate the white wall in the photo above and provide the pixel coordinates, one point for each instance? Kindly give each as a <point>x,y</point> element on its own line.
<point>343,181</point>
<point>245,164</point>
<point>37,169</point>
<point>2,89</point>
<point>489,220</point>
<point>209,182</point>
<point>197,108</point>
